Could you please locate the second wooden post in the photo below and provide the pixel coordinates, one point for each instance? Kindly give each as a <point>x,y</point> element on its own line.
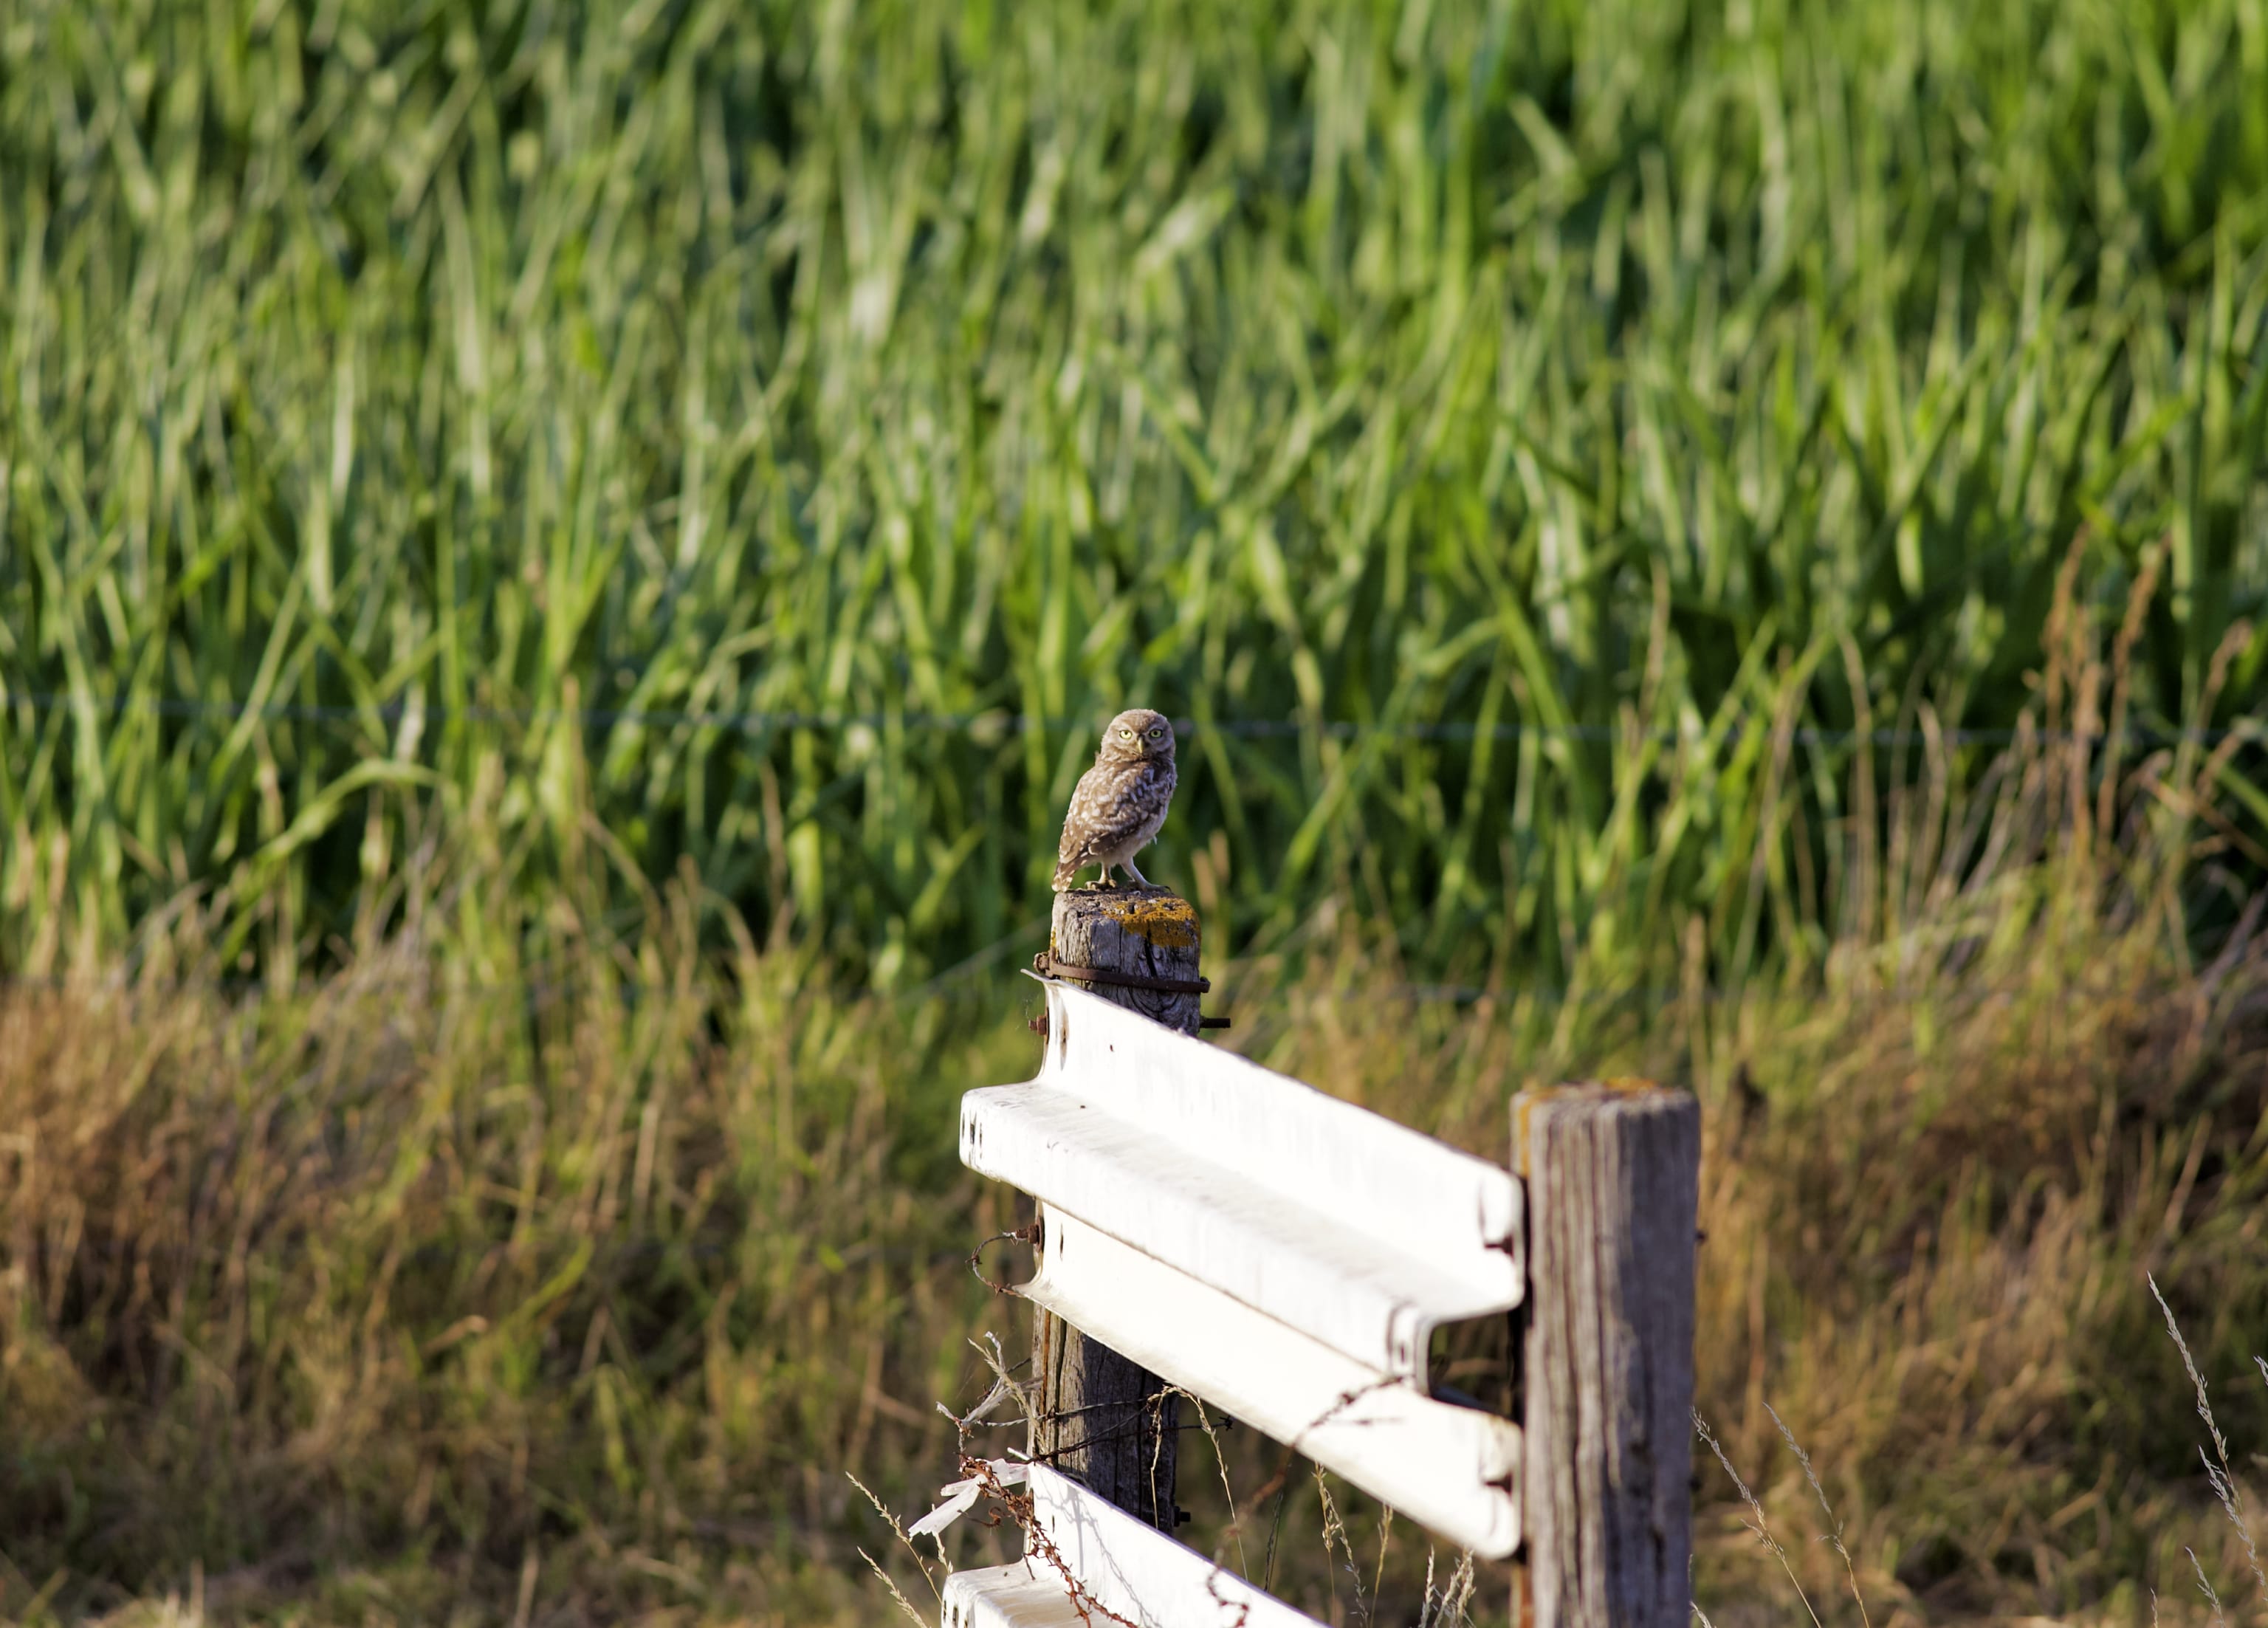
<point>1613,1174</point>
<point>1101,1419</point>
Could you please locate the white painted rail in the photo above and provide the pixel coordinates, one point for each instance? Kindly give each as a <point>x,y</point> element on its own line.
<point>1455,1470</point>
<point>1131,1571</point>
<point>1359,1232</point>
<point>1280,1254</point>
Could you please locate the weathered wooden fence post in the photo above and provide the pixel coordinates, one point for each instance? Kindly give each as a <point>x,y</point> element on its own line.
<point>1613,1175</point>
<point>1101,1419</point>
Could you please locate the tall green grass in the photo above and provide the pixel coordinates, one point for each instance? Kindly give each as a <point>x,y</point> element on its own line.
<point>419,418</point>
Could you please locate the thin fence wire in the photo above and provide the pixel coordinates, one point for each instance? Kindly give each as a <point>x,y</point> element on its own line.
<point>1002,724</point>
<point>614,1254</point>
<point>546,993</point>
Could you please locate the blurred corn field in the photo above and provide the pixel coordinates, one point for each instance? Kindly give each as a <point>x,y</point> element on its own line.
<point>1563,461</point>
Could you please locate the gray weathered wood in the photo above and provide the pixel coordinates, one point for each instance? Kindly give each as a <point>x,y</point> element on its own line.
<point>1101,1419</point>
<point>1613,1176</point>
<point>1148,933</point>
<point>1104,1421</point>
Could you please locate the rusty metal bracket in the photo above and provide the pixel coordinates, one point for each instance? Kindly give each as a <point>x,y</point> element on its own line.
<point>1027,1233</point>
<point>1045,964</point>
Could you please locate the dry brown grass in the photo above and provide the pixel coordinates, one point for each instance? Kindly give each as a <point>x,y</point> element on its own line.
<point>388,1298</point>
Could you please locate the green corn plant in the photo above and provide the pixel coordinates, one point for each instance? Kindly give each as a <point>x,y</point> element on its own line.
<point>1551,454</point>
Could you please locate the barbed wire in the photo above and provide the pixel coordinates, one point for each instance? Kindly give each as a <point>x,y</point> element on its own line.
<point>543,993</point>
<point>1005,723</point>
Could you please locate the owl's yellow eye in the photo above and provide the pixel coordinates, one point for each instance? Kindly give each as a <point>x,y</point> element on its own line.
<point>1157,731</point>
<point>1127,732</point>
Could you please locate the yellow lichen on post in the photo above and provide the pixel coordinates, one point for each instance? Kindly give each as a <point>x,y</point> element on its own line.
<point>1165,920</point>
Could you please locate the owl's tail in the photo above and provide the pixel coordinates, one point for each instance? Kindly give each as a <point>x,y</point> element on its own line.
<point>1065,869</point>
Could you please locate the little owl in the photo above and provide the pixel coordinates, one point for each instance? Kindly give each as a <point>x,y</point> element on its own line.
<point>1120,802</point>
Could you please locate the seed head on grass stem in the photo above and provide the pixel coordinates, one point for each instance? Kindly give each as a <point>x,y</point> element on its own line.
<point>905,1543</point>
<point>1220,1463</point>
<point>2205,1587</point>
<point>2219,1474</point>
<point>890,1583</point>
<point>1446,1608</point>
<point>1761,1526</point>
<point>1335,1533</point>
<point>1834,1526</point>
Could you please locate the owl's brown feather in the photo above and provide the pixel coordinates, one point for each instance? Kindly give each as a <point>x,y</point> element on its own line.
<point>1119,804</point>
